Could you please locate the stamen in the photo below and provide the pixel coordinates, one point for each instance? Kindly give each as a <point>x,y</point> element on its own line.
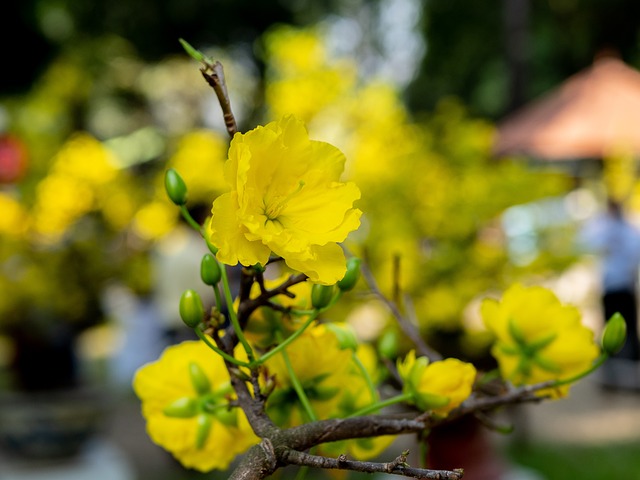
<point>275,208</point>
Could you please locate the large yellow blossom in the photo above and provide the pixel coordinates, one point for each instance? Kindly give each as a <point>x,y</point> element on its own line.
<point>439,386</point>
<point>176,402</point>
<point>285,198</point>
<point>537,337</point>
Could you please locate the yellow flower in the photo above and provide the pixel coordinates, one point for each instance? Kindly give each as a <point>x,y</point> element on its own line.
<point>538,338</point>
<point>185,396</point>
<point>285,198</point>
<point>13,219</point>
<point>439,386</point>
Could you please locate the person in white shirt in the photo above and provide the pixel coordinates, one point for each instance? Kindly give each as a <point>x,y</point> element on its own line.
<point>618,243</point>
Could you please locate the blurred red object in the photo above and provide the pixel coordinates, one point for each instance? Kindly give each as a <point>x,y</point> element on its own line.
<point>13,159</point>
<point>591,114</point>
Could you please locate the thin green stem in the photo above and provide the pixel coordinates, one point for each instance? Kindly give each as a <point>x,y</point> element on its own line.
<point>367,378</point>
<point>223,354</point>
<point>384,403</point>
<point>286,342</point>
<point>597,364</point>
<point>233,317</point>
<point>187,216</point>
<point>216,291</point>
<point>295,382</point>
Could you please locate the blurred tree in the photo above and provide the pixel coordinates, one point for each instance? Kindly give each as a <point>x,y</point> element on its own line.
<point>494,57</point>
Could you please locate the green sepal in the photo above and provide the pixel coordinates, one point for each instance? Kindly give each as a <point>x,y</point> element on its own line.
<point>204,427</point>
<point>515,332</point>
<point>227,416</point>
<point>175,187</point>
<point>184,407</point>
<point>546,364</point>
<point>321,295</point>
<point>199,379</point>
<point>210,270</point>
<point>431,401</point>
<point>614,334</point>
<point>351,276</point>
<point>541,343</point>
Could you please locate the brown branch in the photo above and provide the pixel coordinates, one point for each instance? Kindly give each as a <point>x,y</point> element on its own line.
<point>405,324</point>
<point>396,467</point>
<point>247,307</point>
<point>214,75</point>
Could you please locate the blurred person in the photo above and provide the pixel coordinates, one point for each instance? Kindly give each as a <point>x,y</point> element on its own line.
<point>617,242</point>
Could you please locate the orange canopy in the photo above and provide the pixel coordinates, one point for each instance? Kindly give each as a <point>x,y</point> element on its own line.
<point>589,115</point>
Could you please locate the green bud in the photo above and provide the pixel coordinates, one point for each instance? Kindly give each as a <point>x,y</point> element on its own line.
<point>204,427</point>
<point>210,270</point>
<point>388,344</point>
<point>321,295</point>
<point>191,309</point>
<point>351,276</point>
<point>175,186</point>
<point>345,335</point>
<point>199,379</point>
<point>614,335</point>
<point>184,407</point>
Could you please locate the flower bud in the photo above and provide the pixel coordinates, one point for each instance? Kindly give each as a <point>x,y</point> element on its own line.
<point>321,295</point>
<point>210,270</point>
<point>351,276</point>
<point>345,335</point>
<point>199,379</point>
<point>614,335</point>
<point>175,186</point>
<point>388,344</point>
<point>191,309</point>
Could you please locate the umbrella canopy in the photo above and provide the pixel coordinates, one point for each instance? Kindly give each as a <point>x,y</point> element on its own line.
<point>590,115</point>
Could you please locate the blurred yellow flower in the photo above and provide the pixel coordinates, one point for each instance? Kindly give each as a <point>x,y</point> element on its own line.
<point>538,338</point>
<point>13,219</point>
<point>185,400</point>
<point>155,219</point>
<point>285,198</point>
<point>197,152</point>
<point>439,386</point>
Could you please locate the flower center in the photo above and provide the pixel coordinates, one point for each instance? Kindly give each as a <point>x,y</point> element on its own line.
<point>274,208</point>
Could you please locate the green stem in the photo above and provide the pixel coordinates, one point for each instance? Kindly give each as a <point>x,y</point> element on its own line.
<point>384,403</point>
<point>233,317</point>
<point>367,378</point>
<point>295,382</point>
<point>224,355</point>
<point>597,364</point>
<point>286,342</point>
<point>216,291</point>
<point>187,216</point>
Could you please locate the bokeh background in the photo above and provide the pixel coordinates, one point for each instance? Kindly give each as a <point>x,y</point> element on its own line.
<point>98,98</point>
